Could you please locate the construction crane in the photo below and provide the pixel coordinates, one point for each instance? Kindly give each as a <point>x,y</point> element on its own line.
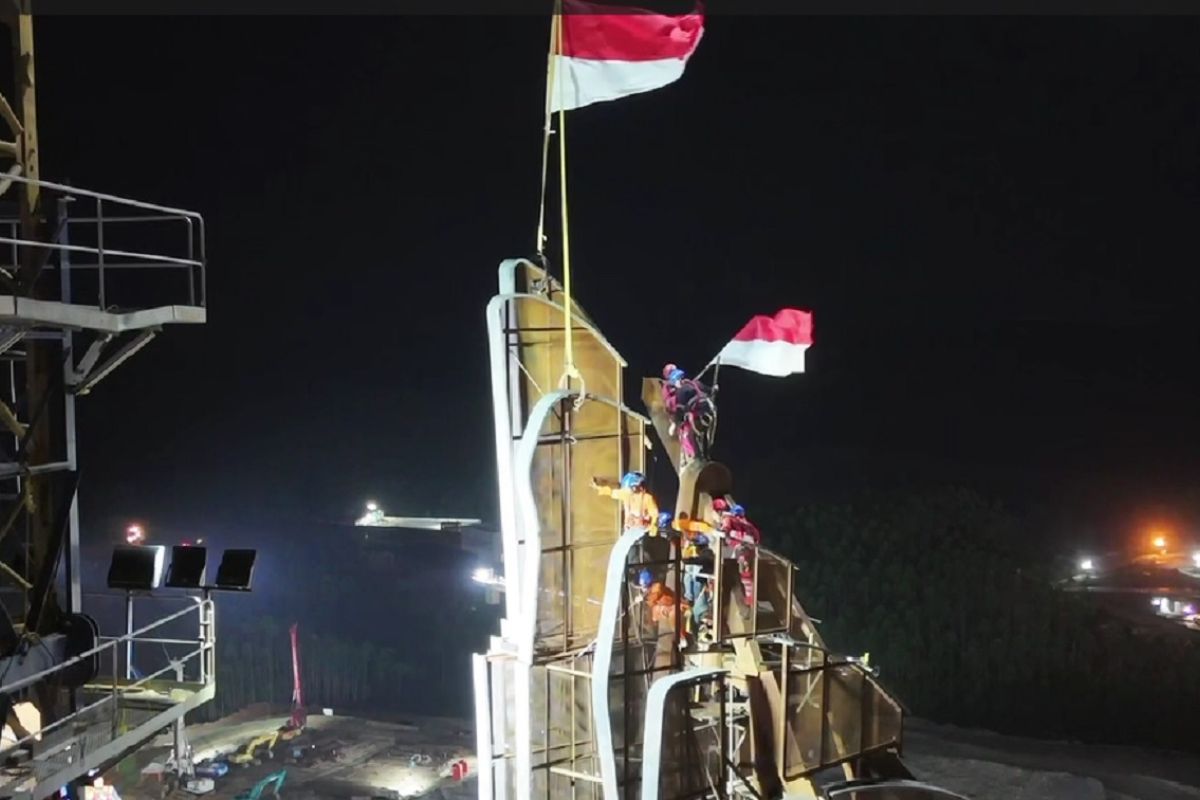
<point>299,719</point>
<point>274,782</point>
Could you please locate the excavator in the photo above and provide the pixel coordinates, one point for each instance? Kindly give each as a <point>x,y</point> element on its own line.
<point>274,782</point>
<point>290,729</point>
<point>246,755</point>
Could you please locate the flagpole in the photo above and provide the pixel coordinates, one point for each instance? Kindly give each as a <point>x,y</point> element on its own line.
<point>550,61</point>
<point>569,370</point>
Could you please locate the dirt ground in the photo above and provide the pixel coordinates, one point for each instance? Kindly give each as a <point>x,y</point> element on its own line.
<point>336,757</point>
<point>989,766</point>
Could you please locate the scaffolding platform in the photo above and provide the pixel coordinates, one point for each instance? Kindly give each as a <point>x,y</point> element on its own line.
<point>26,313</point>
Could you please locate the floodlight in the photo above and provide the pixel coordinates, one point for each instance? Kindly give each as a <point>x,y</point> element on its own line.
<point>187,567</point>
<point>1087,565</point>
<point>1196,559</point>
<point>236,570</point>
<point>136,568</point>
<point>372,505</point>
<point>1160,542</point>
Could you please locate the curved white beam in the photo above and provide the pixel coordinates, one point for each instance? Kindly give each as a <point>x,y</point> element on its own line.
<point>610,612</point>
<point>652,733</point>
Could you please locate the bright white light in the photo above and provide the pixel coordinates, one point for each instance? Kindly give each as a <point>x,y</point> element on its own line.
<point>372,505</point>
<point>1158,601</point>
<point>1196,559</point>
<point>1087,565</point>
<point>135,534</point>
<point>1189,609</point>
<point>488,577</point>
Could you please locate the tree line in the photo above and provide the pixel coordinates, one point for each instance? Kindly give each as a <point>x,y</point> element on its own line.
<point>967,630</point>
<point>254,666</point>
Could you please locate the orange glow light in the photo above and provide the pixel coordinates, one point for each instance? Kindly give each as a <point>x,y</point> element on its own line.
<point>1160,542</point>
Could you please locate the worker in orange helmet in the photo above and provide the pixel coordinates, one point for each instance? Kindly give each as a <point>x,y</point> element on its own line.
<point>641,511</point>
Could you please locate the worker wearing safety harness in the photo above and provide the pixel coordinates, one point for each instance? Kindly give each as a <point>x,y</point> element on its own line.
<point>691,410</point>
<point>641,511</point>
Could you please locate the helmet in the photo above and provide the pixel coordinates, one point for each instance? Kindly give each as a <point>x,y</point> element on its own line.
<point>719,504</point>
<point>675,377</point>
<point>738,511</point>
<point>645,579</point>
<point>668,369</point>
<point>664,519</point>
<point>632,479</point>
<point>701,540</point>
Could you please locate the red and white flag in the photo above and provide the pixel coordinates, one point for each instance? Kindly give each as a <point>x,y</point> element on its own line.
<point>771,345</point>
<point>609,52</point>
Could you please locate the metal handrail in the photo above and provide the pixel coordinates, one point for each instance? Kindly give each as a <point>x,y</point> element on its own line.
<point>192,240</point>
<point>203,608</point>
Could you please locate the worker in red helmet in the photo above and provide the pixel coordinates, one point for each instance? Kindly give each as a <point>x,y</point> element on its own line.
<point>641,510</point>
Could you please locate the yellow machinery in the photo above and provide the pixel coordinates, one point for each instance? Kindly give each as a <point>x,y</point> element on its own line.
<point>246,754</point>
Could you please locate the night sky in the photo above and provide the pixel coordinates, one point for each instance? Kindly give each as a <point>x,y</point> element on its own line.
<point>993,220</point>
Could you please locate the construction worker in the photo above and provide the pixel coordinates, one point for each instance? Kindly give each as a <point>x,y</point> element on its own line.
<point>640,509</point>
<point>692,412</point>
<point>745,538</point>
<point>660,600</point>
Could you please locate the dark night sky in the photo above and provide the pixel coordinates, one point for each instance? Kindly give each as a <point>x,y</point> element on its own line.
<point>994,220</point>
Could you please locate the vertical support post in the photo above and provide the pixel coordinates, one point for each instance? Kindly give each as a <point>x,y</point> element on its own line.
<point>129,633</point>
<point>71,562</point>
<point>483,727</point>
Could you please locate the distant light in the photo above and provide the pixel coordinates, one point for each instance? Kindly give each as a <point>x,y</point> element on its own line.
<point>135,534</point>
<point>1160,542</point>
<point>200,540</point>
<point>1189,609</point>
<point>488,577</point>
<point>1196,558</point>
<point>1086,565</point>
<point>372,505</point>
<point>1158,601</point>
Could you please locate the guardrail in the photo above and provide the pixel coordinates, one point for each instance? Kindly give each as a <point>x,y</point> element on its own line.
<point>86,249</point>
<point>109,711</point>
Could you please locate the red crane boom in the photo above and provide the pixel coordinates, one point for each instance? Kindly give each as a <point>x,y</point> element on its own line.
<point>299,716</point>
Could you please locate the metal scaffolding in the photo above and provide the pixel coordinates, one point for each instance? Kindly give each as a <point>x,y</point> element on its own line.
<point>585,694</point>
<point>87,280</point>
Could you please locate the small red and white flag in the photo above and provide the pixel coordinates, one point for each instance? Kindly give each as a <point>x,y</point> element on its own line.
<point>609,52</point>
<point>771,345</point>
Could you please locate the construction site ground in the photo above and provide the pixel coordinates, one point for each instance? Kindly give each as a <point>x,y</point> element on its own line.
<point>344,757</point>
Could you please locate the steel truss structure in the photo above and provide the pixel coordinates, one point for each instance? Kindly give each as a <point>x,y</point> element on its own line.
<point>87,280</point>
<point>582,694</point>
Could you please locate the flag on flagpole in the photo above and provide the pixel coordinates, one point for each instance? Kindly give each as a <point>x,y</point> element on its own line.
<point>609,52</point>
<point>770,345</point>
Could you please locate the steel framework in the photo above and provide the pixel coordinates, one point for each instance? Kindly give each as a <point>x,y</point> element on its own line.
<point>583,694</point>
<point>87,280</point>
